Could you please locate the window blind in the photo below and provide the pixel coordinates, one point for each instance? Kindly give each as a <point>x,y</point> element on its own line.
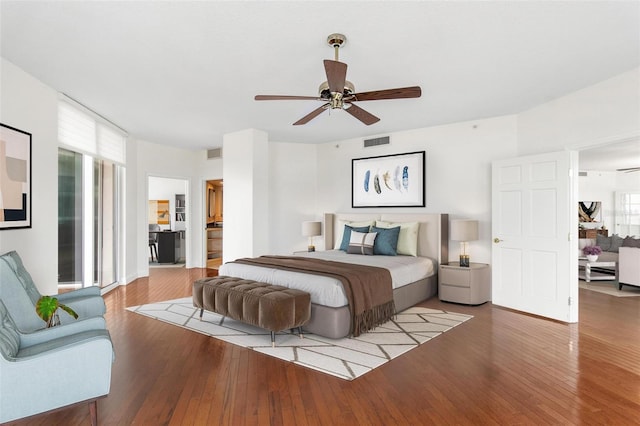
<point>81,132</point>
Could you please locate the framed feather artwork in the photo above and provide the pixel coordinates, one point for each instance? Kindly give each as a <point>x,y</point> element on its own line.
<point>396,180</point>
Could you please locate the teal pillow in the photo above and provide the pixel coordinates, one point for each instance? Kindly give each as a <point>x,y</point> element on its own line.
<point>346,235</point>
<point>386,243</point>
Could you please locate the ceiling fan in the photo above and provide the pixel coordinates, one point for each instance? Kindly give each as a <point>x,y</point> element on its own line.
<point>338,93</point>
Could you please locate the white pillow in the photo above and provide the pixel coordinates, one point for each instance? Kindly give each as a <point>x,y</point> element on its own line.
<point>408,238</point>
<point>340,229</point>
<point>361,243</point>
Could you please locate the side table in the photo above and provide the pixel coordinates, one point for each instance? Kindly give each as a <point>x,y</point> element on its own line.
<point>468,285</point>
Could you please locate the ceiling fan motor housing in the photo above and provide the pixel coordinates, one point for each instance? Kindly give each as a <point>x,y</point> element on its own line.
<point>337,99</point>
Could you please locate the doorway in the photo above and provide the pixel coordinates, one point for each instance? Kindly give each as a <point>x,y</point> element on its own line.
<point>214,222</point>
<point>168,221</point>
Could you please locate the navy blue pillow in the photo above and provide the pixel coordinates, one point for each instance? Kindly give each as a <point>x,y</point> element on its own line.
<point>346,235</point>
<point>386,241</point>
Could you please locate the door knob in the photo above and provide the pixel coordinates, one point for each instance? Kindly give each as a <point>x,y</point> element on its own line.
<point>496,240</point>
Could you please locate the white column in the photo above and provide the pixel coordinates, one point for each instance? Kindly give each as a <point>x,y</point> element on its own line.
<point>245,173</point>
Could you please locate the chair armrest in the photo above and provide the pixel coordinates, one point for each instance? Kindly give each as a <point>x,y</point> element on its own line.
<point>48,334</point>
<point>48,347</point>
<point>85,307</point>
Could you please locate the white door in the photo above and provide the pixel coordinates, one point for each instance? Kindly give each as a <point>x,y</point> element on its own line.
<point>535,241</point>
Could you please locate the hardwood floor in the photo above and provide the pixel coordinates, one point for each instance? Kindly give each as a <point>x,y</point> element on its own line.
<point>501,367</point>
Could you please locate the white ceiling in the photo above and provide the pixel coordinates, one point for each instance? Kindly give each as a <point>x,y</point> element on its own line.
<point>185,73</point>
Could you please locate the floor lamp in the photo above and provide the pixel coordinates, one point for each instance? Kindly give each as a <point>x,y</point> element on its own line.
<point>464,230</point>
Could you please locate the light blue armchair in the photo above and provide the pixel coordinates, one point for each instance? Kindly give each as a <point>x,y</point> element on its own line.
<point>52,368</point>
<point>20,295</point>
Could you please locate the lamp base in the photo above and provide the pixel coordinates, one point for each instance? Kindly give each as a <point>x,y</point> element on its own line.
<point>311,248</point>
<point>464,260</point>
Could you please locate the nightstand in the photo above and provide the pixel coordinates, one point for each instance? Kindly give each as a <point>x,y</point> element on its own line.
<point>471,286</point>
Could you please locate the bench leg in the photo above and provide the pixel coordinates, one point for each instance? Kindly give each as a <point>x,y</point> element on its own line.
<point>273,339</point>
<point>201,312</point>
<point>300,332</point>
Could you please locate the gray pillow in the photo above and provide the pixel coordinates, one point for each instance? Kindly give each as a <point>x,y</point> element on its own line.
<point>631,242</point>
<point>616,243</point>
<point>603,242</point>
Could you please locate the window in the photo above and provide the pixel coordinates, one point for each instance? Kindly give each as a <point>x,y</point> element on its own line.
<point>627,213</point>
<point>90,177</point>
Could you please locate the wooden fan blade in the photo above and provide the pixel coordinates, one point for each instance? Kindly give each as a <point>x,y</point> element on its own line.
<point>313,114</point>
<point>362,115</point>
<point>285,98</point>
<point>336,75</point>
<point>403,92</point>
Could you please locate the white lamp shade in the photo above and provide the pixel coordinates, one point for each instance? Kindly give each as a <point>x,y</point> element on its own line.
<point>464,230</point>
<point>311,229</point>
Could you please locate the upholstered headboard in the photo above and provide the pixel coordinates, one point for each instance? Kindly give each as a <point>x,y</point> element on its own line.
<point>433,234</point>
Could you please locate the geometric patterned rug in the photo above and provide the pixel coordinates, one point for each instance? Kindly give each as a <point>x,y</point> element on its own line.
<point>610,288</point>
<point>347,358</point>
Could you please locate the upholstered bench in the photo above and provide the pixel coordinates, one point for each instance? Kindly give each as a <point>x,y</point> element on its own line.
<point>272,307</point>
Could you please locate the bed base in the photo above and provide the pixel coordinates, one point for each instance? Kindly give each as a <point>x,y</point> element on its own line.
<point>335,323</point>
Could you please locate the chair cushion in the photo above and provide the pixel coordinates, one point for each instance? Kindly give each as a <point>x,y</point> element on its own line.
<point>16,299</point>
<point>9,336</point>
<point>15,262</point>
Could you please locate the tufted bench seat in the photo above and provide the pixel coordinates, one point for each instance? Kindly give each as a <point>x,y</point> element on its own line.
<point>271,307</point>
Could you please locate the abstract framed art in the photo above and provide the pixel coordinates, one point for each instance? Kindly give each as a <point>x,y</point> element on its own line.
<point>396,180</point>
<point>15,178</point>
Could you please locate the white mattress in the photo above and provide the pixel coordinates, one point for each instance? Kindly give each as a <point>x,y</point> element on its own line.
<point>328,291</point>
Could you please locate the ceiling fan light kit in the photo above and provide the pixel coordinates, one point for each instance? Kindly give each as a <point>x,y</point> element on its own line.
<point>338,93</point>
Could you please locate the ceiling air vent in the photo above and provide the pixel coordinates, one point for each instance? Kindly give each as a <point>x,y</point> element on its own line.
<point>214,153</point>
<point>377,141</point>
<point>582,173</point>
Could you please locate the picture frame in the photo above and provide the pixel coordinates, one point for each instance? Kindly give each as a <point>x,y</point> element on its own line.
<point>396,180</point>
<point>15,178</point>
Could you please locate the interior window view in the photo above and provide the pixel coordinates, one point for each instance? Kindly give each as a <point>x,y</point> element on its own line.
<point>167,221</point>
<point>429,216</point>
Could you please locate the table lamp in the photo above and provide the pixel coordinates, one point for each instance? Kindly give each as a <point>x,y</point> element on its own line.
<point>464,230</point>
<point>311,229</point>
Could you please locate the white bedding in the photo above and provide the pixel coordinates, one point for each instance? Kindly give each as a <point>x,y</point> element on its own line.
<point>328,291</point>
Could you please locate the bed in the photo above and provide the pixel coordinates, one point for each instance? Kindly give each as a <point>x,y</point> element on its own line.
<point>414,276</point>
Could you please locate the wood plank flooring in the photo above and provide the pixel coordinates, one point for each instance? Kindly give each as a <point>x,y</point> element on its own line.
<point>499,368</point>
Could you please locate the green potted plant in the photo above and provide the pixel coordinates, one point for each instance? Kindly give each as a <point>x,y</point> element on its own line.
<point>47,309</point>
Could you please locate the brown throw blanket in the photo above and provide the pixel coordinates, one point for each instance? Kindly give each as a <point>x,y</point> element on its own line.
<point>368,288</point>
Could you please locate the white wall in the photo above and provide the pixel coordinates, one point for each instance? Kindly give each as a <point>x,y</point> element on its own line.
<point>29,105</point>
<point>605,112</point>
<point>246,194</point>
<point>603,186</point>
<point>458,172</point>
<point>305,181</point>
<point>169,162</point>
<point>293,181</point>
<point>599,186</point>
